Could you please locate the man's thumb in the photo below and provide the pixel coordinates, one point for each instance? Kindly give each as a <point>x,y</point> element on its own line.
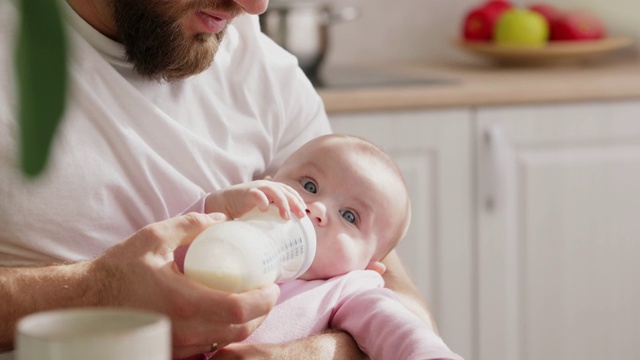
<point>194,224</point>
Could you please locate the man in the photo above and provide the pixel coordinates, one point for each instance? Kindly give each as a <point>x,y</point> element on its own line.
<point>153,122</point>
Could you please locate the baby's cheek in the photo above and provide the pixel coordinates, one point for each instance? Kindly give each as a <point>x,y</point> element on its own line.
<point>350,256</point>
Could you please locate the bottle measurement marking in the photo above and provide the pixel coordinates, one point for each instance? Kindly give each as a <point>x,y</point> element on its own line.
<point>290,250</point>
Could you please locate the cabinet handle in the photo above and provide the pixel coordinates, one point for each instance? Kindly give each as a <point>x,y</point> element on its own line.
<point>498,194</point>
<point>496,152</point>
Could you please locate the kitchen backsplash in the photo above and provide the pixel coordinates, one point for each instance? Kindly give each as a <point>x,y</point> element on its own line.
<point>422,30</point>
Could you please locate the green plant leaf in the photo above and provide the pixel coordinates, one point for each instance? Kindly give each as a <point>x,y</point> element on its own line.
<point>41,66</point>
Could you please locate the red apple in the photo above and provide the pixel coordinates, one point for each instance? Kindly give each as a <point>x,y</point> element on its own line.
<point>498,4</point>
<point>577,25</point>
<point>549,11</point>
<point>479,23</point>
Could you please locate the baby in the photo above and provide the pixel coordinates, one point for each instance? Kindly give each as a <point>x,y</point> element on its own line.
<point>353,193</point>
<point>359,205</point>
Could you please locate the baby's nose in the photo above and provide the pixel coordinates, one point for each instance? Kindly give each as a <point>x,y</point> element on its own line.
<point>318,213</point>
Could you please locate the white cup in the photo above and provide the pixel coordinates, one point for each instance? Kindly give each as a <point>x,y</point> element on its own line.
<point>94,333</point>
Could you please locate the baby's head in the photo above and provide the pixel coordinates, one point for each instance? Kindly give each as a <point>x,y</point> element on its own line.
<point>356,198</point>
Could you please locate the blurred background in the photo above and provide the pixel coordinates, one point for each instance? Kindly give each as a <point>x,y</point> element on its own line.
<point>524,177</point>
<point>422,30</point>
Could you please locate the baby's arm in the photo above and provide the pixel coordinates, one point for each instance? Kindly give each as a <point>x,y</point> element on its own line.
<point>385,329</point>
<point>237,200</point>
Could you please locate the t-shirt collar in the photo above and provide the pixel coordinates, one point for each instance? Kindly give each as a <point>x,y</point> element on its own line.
<point>111,50</point>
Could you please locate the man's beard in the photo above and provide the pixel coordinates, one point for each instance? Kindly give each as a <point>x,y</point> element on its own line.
<point>155,43</point>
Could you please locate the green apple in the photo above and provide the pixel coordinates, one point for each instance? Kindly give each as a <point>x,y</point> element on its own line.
<point>521,27</point>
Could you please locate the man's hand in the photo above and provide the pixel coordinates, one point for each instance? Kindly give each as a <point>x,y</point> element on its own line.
<point>139,272</point>
<point>142,274</point>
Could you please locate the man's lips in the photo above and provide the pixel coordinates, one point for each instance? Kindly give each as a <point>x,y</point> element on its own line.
<point>213,22</point>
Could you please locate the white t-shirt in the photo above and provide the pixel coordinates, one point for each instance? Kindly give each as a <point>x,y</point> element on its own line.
<point>131,152</point>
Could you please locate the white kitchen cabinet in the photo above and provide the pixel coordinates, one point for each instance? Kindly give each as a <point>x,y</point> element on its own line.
<point>433,150</point>
<point>558,236</point>
<point>525,234</point>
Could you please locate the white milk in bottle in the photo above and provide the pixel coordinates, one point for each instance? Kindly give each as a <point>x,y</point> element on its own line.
<point>257,249</point>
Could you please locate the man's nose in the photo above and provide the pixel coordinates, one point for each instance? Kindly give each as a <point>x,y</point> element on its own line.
<point>317,212</point>
<point>253,7</point>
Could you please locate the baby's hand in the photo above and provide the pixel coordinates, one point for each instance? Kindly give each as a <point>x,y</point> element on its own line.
<point>239,199</point>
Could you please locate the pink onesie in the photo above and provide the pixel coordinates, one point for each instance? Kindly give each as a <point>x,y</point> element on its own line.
<point>359,304</point>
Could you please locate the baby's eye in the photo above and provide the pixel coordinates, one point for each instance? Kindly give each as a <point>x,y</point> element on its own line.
<point>349,216</point>
<point>309,185</point>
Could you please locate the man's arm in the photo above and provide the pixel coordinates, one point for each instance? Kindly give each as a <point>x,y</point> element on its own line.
<point>25,290</point>
<point>397,278</point>
<point>330,345</point>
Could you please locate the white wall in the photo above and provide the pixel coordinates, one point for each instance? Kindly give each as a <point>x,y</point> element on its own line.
<point>620,16</point>
<point>421,30</point>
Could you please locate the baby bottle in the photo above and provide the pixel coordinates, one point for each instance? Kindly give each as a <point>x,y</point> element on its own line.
<point>257,249</point>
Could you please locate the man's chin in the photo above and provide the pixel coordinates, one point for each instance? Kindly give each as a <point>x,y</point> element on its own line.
<point>184,63</point>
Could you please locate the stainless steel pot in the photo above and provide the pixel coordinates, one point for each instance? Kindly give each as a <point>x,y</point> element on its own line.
<point>302,28</point>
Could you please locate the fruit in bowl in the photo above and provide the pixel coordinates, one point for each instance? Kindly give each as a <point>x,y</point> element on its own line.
<point>521,27</point>
<point>550,12</point>
<point>536,32</point>
<point>479,23</point>
<point>577,25</point>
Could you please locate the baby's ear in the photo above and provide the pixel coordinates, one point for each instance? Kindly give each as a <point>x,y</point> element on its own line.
<point>376,266</point>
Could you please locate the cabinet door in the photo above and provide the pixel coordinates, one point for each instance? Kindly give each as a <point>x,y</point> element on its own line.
<point>432,148</point>
<point>559,231</point>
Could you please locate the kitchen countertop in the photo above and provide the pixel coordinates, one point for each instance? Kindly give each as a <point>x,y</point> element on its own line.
<point>480,85</point>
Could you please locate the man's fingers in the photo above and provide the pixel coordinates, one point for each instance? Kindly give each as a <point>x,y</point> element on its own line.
<point>183,229</point>
<point>256,303</point>
<point>226,318</point>
<point>243,307</point>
